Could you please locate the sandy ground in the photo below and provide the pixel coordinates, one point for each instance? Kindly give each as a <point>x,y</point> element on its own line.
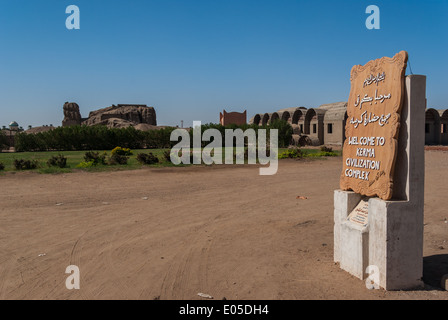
<point>223,231</point>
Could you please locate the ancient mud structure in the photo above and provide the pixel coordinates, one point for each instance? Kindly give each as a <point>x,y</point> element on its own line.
<point>116,116</point>
<point>72,116</point>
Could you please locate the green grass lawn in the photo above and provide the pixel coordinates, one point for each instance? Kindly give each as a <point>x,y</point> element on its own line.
<point>76,157</point>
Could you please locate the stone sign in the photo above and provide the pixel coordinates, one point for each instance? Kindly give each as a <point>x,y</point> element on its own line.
<point>374,106</point>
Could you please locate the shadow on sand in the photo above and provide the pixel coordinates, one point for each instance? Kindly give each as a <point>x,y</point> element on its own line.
<point>434,268</point>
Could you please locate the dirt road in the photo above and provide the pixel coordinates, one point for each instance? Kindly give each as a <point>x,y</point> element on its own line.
<point>171,233</point>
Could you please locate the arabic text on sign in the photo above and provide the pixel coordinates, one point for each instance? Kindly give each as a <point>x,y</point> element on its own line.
<point>371,118</point>
<point>377,98</point>
<point>374,79</point>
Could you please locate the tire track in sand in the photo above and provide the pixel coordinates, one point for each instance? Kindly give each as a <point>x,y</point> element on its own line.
<point>187,275</point>
<point>6,263</point>
<point>75,259</point>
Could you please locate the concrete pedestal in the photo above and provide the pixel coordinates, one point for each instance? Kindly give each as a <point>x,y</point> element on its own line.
<point>392,241</point>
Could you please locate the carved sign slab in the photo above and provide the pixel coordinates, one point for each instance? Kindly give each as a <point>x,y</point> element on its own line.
<point>374,107</point>
<point>360,215</point>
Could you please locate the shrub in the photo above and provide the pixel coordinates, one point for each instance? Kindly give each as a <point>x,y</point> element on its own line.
<point>328,154</point>
<point>147,158</point>
<point>3,140</point>
<point>95,157</point>
<point>117,159</point>
<point>323,154</point>
<point>284,132</point>
<point>86,164</point>
<point>57,161</point>
<point>122,151</point>
<point>2,166</point>
<point>292,153</point>
<point>22,164</point>
<point>167,155</point>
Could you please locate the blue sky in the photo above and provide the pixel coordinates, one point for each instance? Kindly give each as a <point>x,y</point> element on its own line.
<point>192,58</point>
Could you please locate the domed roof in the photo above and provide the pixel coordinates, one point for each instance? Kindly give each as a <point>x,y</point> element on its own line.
<point>13,124</point>
<point>336,114</point>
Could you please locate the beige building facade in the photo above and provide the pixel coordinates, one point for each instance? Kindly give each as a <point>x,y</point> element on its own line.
<point>325,125</point>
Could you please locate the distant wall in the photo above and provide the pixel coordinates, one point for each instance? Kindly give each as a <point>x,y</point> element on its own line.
<point>228,118</point>
<point>334,132</point>
<point>334,125</point>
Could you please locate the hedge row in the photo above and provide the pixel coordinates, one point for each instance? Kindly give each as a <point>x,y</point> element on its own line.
<point>77,138</point>
<point>284,131</point>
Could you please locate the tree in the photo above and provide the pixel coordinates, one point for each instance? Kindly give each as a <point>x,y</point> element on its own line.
<point>284,132</point>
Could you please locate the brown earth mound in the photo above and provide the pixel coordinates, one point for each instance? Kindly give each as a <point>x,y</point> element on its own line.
<point>130,114</point>
<point>39,129</point>
<point>116,116</point>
